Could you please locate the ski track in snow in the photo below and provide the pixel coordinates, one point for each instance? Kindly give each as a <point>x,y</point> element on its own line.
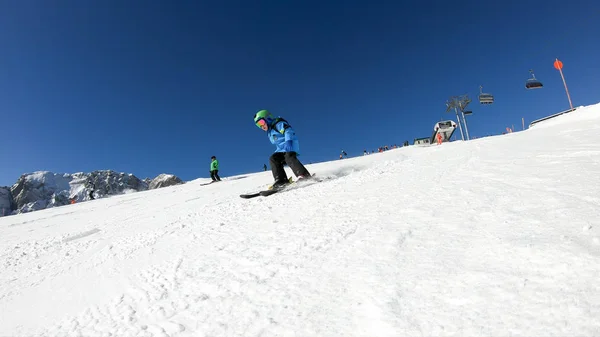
<point>500,238</point>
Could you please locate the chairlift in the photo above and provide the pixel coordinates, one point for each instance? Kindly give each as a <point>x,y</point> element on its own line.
<point>533,83</point>
<point>468,112</point>
<point>485,98</point>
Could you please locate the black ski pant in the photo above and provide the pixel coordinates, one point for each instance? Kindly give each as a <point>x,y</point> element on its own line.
<point>279,158</point>
<point>215,175</point>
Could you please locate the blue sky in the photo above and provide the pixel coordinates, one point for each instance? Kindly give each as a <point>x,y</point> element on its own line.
<point>150,87</point>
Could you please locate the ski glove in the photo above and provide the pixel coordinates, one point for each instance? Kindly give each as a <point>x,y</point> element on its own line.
<point>288,146</point>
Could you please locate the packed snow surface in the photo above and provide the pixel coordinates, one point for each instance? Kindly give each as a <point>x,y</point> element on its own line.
<point>498,236</point>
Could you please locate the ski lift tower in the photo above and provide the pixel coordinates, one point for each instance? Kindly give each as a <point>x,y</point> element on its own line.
<point>459,103</point>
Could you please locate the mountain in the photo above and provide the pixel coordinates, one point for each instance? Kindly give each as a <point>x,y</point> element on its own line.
<point>43,189</point>
<point>495,236</point>
<point>6,201</point>
<point>164,180</point>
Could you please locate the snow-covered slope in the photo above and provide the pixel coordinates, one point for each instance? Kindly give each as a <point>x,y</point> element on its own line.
<point>493,237</point>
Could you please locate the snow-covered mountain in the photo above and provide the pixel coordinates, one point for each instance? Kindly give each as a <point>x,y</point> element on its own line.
<point>164,180</point>
<point>43,189</point>
<point>498,236</point>
<point>6,201</point>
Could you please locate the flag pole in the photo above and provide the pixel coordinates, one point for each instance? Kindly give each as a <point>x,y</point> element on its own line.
<point>559,65</point>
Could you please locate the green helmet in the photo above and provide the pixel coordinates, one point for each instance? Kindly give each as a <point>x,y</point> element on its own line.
<point>262,114</point>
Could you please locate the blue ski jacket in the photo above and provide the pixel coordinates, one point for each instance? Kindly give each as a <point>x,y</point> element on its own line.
<point>280,132</point>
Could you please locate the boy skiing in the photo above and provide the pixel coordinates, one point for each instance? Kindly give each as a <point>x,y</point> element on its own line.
<point>286,143</point>
<point>214,169</point>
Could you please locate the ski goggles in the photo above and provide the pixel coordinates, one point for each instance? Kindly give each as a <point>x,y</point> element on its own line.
<point>261,122</point>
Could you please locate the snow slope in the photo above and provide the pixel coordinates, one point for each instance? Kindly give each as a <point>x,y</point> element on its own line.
<point>498,236</point>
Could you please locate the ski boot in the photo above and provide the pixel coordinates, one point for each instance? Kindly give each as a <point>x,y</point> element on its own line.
<point>281,184</point>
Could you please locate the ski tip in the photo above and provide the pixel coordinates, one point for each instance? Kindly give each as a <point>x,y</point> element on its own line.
<point>249,195</point>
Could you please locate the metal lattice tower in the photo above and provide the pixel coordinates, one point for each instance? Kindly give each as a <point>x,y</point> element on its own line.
<point>459,103</point>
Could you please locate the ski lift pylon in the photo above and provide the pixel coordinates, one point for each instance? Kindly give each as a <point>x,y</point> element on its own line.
<point>485,98</point>
<point>533,82</point>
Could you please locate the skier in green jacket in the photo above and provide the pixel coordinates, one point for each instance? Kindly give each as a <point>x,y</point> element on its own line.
<point>214,169</point>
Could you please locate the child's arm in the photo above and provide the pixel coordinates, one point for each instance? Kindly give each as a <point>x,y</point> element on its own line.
<point>285,129</point>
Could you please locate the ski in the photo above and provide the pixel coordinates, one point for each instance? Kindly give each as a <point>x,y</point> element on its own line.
<point>212,182</point>
<point>250,195</point>
<point>270,192</point>
<point>264,193</point>
<point>291,186</point>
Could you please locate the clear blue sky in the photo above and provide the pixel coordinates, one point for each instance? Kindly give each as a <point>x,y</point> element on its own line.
<point>148,87</point>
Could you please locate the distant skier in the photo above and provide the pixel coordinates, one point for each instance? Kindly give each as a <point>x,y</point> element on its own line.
<point>92,188</point>
<point>265,167</point>
<point>214,169</point>
<point>286,143</point>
